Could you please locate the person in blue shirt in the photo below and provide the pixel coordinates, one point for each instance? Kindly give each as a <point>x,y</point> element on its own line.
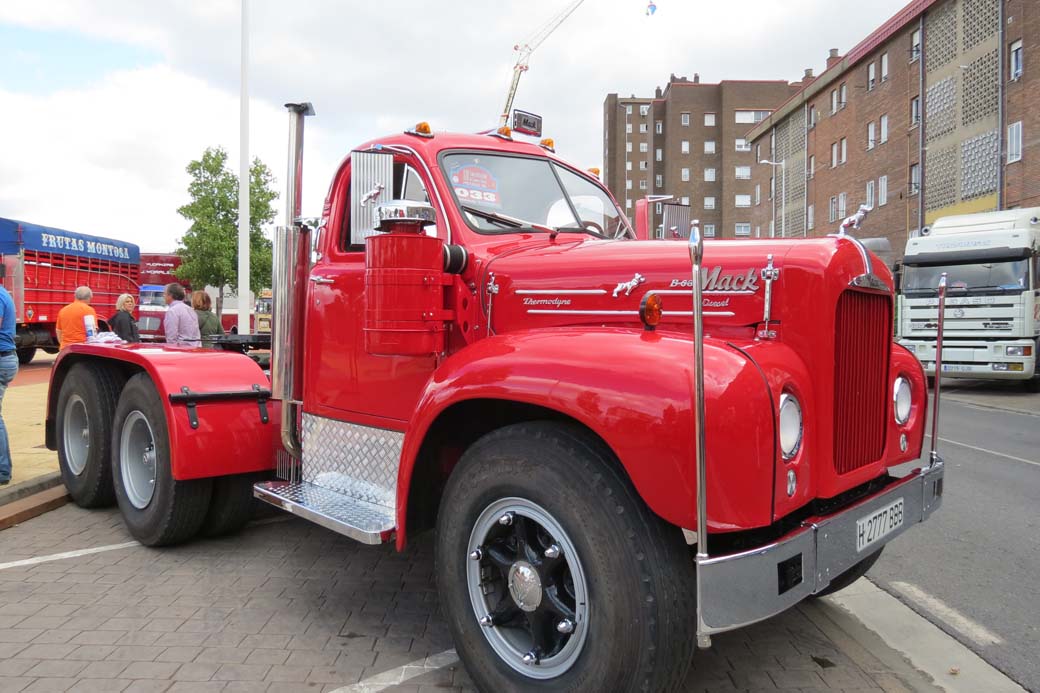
<point>8,369</point>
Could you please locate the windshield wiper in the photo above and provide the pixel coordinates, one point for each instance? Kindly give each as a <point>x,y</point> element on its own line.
<point>501,219</point>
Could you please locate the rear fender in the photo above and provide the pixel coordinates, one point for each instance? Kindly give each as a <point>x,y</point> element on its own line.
<point>633,389</point>
<point>230,438</point>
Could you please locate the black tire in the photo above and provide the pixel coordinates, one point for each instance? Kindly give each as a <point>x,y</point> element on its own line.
<point>88,393</point>
<point>175,510</point>
<point>851,575</point>
<point>25,356</point>
<point>1033,384</point>
<point>230,505</point>
<point>930,382</point>
<point>639,572</point>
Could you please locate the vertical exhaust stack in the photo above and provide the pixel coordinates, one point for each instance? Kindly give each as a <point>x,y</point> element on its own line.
<point>290,266</point>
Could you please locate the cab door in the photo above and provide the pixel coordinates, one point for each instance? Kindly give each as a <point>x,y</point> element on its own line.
<point>341,380</point>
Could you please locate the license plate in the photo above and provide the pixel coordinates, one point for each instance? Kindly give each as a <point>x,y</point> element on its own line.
<point>878,524</point>
<point>955,368</point>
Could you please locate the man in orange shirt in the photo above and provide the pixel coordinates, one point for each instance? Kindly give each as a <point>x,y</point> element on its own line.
<point>75,318</point>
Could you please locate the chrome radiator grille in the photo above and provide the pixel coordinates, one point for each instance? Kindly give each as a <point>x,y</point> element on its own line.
<point>862,344</point>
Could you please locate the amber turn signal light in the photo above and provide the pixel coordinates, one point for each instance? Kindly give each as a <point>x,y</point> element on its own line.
<point>650,311</point>
<point>548,143</point>
<point>505,131</point>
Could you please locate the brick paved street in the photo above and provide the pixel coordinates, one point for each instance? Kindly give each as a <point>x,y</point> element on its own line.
<point>287,605</point>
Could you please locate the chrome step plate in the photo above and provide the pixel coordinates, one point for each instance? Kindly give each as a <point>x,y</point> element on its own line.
<point>357,519</point>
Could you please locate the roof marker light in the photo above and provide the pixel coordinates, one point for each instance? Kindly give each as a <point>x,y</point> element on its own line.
<point>548,143</point>
<point>422,129</point>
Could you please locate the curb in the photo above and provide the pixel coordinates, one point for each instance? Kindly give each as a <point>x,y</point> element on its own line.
<point>14,492</point>
<point>31,498</point>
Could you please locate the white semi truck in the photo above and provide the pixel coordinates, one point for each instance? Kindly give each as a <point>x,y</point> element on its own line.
<point>992,316</point>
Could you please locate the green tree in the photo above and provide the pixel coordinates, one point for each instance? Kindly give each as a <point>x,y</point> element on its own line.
<point>209,249</point>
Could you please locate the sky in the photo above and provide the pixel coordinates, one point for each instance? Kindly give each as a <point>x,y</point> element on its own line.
<point>103,103</point>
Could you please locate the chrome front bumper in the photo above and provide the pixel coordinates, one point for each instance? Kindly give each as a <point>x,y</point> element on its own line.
<point>742,588</point>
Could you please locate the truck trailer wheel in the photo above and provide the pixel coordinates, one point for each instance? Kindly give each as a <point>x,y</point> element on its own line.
<point>156,508</point>
<point>86,402</point>
<point>851,575</point>
<point>554,575</point>
<point>25,356</point>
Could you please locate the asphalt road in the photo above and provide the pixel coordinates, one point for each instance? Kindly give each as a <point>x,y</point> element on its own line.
<point>974,567</point>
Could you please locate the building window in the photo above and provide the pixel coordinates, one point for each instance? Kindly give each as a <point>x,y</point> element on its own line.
<point>628,165</point>
<point>743,173</point>
<point>709,120</point>
<point>884,129</point>
<point>843,93</point>
<point>628,184</point>
<point>684,201</point>
<point>742,229</point>
<point>644,165</point>
<point>871,76</point>
<point>628,110</point>
<point>659,127</point>
<point>644,147</point>
<point>812,165</point>
<point>628,147</point>
<point>658,209</point>
<point>685,120</point>
<point>915,179</point>
<point>709,146</point>
<point>758,152</point>
<point>642,128</point>
<point>870,135</point>
<point>743,145</point>
<point>685,175</point>
<point>915,111</point>
<point>659,180</point>
<point>810,213</point>
<point>709,203</point>
<point>832,209</point>
<point>812,117</point>
<point>709,230</point>
<point>870,194</point>
<point>684,146</point>
<point>884,67</point>
<point>842,197</point>
<point>659,154</point>
<point>644,109</point>
<point>742,200</point>
<point>844,150</point>
<point>709,175</point>
<point>642,185</point>
<point>628,204</point>
<point>628,128</point>
<point>834,101</point>
<point>758,194</point>
<point>915,45</point>
<point>882,191</point>
<point>751,116</point>
<point>834,155</point>
<point>1014,142</point>
<point>1015,54</point>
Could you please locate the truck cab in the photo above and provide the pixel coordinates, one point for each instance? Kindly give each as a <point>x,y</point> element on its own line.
<point>992,322</point>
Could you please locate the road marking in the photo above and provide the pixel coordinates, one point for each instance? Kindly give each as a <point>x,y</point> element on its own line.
<point>395,677</point>
<point>986,450</point>
<point>953,618</point>
<point>67,554</point>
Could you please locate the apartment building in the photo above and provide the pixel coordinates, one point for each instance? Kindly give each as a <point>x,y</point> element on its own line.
<point>927,116</point>
<point>688,141</point>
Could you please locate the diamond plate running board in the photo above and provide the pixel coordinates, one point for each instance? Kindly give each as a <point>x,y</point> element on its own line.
<point>357,519</point>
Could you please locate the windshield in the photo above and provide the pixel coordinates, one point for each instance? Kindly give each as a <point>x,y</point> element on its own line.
<point>263,305</point>
<point>152,298</point>
<point>1010,276</point>
<point>505,194</point>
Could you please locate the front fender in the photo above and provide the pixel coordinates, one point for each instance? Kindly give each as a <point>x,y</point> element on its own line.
<point>230,438</point>
<point>633,389</point>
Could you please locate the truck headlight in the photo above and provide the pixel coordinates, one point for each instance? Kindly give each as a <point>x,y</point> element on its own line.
<point>901,400</point>
<point>912,348</point>
<point>790,425</point>
<point>1018,351</point>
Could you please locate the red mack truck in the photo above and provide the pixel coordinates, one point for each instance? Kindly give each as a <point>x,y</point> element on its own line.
<point>42,266</point>
<point>624,446</point>
<point>157,270</point>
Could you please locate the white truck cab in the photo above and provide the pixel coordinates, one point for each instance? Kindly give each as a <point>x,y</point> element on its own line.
<point>993,279</point>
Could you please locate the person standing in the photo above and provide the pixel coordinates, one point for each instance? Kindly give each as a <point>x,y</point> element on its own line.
<point>78,320</point>
<point>209,324</point>
<point>8,369</point>
<point>122,323</point>
<point>180,323</point>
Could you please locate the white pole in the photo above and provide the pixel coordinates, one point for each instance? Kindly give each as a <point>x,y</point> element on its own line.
<point>243,181</point>
<point>783,198</point>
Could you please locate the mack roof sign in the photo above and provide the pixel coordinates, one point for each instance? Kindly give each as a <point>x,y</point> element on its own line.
<point>15,235</point>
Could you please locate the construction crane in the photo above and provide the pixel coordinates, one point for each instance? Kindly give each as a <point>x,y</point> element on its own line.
<point>526,48</point>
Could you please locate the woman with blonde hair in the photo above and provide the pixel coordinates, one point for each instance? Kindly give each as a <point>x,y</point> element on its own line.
<point>122,323</point>
<point>209,324</point>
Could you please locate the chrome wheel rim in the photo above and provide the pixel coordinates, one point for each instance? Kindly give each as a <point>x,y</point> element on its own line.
<point>77,435</point>
<point>137,459</point>
<point>527,588</point>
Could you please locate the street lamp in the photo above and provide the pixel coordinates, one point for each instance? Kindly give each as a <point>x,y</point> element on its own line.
<point>783,198</point>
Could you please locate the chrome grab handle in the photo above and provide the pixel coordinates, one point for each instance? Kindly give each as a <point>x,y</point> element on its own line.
<point>696,247</point>
<point>933,456</point>
<point>317,279</point>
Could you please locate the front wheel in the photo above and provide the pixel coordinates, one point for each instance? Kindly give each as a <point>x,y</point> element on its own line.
<point>554,574</point>
<point>25,356</point>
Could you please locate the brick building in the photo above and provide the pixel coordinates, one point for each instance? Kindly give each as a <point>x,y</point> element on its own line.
<point>924,118</point>
<point>688,141</point>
